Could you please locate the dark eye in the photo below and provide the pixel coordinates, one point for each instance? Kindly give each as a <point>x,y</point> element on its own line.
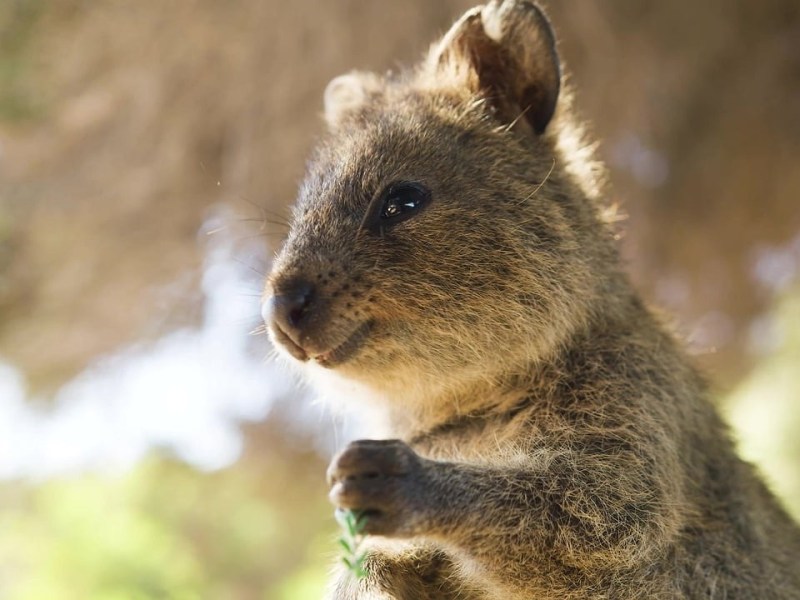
<point>402,201</point>
<point>397,203</point>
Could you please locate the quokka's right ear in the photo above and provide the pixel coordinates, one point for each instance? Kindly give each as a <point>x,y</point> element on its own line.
<point>505,51</point>
<point>347,94</point>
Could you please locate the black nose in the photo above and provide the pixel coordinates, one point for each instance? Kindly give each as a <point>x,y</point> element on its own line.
<point>290,307</point>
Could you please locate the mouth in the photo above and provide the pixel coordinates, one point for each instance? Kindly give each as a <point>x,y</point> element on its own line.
<point>346,349</point>
<point>330,358</point>
<point>289,344</point>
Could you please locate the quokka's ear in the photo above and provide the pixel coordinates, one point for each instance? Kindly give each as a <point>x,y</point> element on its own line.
<point>506,51</point>
<point>346,95</point>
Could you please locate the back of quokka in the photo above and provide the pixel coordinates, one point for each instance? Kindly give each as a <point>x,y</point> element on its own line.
<point>449,259</point>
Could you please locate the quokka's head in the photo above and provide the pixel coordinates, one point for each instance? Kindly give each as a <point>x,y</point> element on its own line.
<point>440,234</point>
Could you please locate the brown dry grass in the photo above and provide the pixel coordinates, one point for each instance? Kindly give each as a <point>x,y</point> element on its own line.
<point>145,114</point>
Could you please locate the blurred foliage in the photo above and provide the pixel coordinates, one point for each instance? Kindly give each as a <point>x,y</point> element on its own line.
<point>17,20</point>
<point>164,531</point>
<point>763,410</point>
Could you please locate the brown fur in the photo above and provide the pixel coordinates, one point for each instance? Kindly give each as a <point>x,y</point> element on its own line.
<point>556,442</point>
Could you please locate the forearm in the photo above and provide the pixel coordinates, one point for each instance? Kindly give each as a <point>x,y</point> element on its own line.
<point>601,510</point>
<point>585,511</point>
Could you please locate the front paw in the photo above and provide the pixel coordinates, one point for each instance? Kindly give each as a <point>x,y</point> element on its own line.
<point>383,480</point>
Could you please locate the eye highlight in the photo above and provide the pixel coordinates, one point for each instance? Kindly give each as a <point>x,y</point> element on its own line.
<point>398,202</point>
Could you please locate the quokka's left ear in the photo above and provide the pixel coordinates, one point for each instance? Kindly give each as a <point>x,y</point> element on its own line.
<point>346,95</point>
<point>505,51</point>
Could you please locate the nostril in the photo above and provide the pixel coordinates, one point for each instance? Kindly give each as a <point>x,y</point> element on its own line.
<point>292,305</point>
<point>298,312</point>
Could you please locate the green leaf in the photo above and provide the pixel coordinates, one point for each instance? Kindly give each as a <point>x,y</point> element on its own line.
<point>353,524</point>
<point>360,522</point>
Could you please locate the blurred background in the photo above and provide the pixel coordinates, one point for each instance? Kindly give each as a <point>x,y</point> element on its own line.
<point>149,448</point>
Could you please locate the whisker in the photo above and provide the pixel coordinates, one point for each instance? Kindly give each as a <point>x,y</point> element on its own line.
<point>538,187</point>
<point>277,218</point>
<point>219,229</point>
<point>510,126</point>
<point>263,234</point>
<point>261,229</point>
<point>263,220</point>
<point>251,267</point>
<point>259,330</point>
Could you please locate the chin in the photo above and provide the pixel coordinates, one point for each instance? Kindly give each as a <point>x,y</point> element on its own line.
<point>345,396</point>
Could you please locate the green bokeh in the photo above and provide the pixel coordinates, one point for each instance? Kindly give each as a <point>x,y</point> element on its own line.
<point>162,531</point>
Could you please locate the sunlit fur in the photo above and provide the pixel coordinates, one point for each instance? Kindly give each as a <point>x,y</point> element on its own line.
<point>507,212</point>
<point>582,457</point>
